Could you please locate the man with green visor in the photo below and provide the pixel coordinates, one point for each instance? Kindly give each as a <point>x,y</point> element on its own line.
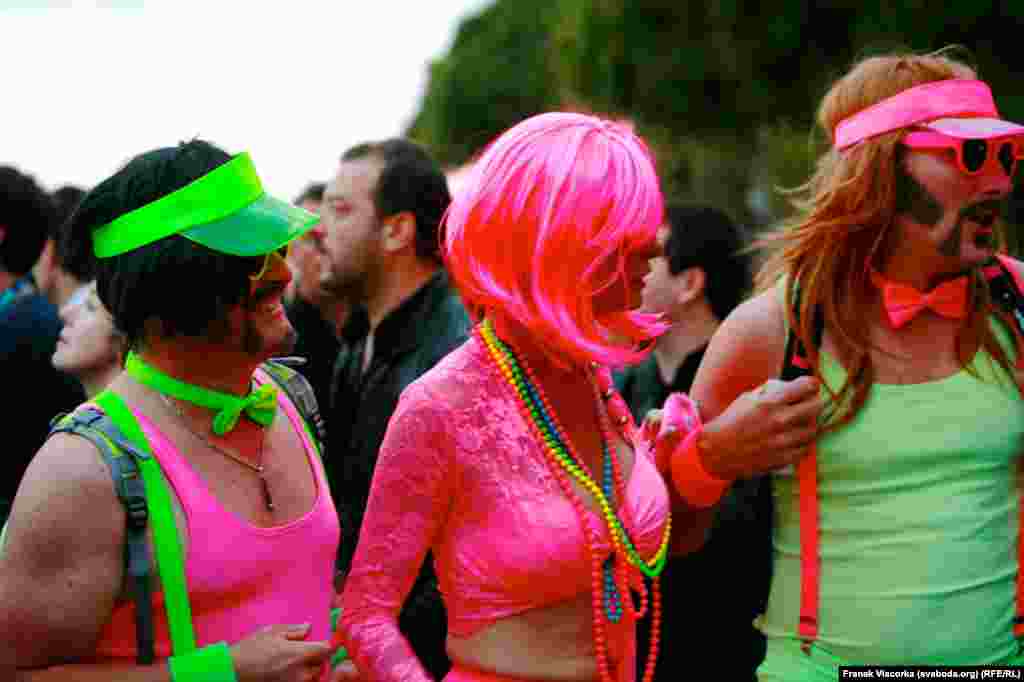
<point>230,577</point>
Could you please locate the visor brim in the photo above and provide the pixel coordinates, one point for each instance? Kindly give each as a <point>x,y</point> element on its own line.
<point>263,226</point>
<point>974,128</point>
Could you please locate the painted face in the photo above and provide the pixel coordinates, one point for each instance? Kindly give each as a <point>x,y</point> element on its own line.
<point>352,230</point>
<point>88,344</point>
<point>947,217</point>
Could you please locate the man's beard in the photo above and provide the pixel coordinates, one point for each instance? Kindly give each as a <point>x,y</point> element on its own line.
<point>253,342</point>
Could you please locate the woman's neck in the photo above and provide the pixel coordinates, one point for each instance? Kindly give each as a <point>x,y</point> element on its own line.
<point>565,381</point>
<point>95,383</point>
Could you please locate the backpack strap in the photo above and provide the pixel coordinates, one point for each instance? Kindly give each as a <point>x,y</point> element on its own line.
<point>165,532</point>
<point>797,364</point>
<point>95,426</point>
<point>1006,283</point>
<point>300,392</point>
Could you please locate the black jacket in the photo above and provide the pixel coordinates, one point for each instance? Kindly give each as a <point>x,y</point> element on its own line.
<point>407,343</point>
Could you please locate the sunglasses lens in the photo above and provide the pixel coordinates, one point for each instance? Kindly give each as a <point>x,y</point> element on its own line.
<point>1008,157</point>
<point>973,154</point>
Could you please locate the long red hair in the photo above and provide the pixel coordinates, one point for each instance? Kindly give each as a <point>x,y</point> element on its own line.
<point>845,225</point>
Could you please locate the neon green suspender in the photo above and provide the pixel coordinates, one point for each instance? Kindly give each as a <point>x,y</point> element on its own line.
<point>166,542</point>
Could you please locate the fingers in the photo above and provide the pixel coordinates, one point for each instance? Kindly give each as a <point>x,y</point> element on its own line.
<point>653,416</point>
<point>295,633</point>
<point>778,392</point>
<point>345,672</point>
<point>800,414</point>
<point>315,653</point>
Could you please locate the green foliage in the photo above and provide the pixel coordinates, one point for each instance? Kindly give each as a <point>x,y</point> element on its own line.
<point>499,71</point>
<point>725,92</point>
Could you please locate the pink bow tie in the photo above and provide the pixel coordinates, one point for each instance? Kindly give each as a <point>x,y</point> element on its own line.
<point>904,302</point>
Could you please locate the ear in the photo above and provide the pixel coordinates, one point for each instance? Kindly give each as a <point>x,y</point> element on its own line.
<point>399,231</point>
<point>690,284</point>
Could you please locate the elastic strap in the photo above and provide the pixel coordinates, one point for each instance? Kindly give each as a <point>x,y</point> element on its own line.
<point>165,532</point>
<point>810,583</point>
<point>212,663</point>
<point>299,390</point>
<point>796,365</point>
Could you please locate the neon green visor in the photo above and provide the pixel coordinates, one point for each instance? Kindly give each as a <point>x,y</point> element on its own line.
<point>225,210</point>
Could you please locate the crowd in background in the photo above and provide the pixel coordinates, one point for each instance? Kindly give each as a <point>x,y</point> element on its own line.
<point>375,307</point>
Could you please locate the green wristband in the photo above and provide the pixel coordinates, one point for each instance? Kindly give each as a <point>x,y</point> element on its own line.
<point>335,615</point>
<point>341,655</point>
<point>210,664</point>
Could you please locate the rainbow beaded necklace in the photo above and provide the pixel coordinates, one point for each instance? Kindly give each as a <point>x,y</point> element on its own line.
<point>556,444</point>
<point>609,590</point>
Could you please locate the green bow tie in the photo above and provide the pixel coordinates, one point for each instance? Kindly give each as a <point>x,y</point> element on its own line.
<point>260,405</point>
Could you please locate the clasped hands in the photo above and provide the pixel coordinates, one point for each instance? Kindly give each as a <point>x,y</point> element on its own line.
<point>767,428</point>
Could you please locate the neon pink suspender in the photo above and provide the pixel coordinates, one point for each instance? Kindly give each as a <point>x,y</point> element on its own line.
<point>807,469</point>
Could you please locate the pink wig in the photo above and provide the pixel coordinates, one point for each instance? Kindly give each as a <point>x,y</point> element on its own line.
<point>544,224</point>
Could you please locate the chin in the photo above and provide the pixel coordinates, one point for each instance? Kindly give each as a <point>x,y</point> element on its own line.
<point>286,344</point>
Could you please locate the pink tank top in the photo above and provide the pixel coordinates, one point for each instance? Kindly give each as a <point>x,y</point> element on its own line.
<point>240,577</point>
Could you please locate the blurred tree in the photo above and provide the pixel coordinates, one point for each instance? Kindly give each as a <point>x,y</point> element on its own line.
<point>499,71</point>
<point>725,92</point>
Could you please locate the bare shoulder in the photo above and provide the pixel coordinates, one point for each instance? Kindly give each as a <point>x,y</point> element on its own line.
<point>67,484</point>
<point>746,350</point>
<point>61,564</point>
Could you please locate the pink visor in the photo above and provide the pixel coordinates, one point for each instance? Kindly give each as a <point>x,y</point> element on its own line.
<point>956,107</point>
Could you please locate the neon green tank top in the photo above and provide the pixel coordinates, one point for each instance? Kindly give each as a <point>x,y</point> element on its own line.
<point>918,523</point>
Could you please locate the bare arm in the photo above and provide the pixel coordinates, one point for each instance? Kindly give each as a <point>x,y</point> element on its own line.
<point>754,423</point>
<point>411,492</point>
<point>61,566</point>
<point>61,572</point>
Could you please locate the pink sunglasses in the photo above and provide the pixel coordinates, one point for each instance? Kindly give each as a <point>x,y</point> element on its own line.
<point>973,155</point>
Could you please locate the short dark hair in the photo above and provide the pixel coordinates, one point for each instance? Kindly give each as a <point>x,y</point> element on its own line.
<point>410,180</point>
<point>703,236</point>
<point>186,285</point>
<point>27,216</point>
<point>314,191</point>
<point>74,255</point>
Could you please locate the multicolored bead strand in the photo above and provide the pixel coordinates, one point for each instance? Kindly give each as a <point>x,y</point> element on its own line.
<point>611,594</point>
<point>600,644</point>
<point>541,412</point>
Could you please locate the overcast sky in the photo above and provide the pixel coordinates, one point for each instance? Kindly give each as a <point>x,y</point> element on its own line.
<point>86,85</point>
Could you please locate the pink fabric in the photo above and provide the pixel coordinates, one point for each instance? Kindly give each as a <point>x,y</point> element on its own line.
<point>573,195</point>
<point>956,97</point>
<point>461,474</point>
<point>240,577</point>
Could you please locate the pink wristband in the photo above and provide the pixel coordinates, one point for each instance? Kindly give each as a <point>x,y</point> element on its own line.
<point>695,485</point>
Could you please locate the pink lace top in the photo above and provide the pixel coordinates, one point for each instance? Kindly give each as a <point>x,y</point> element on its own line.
<point>461,474</point>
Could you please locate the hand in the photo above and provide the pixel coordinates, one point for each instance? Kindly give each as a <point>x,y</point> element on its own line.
<point>279,653</point>
<point>764,429</point>
<point>344,672</point>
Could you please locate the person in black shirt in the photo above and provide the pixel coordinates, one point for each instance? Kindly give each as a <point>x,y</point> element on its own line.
<point>317,316</point>
<point>702,274</point>
<point>29,327</point>
<point>381,215</point>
